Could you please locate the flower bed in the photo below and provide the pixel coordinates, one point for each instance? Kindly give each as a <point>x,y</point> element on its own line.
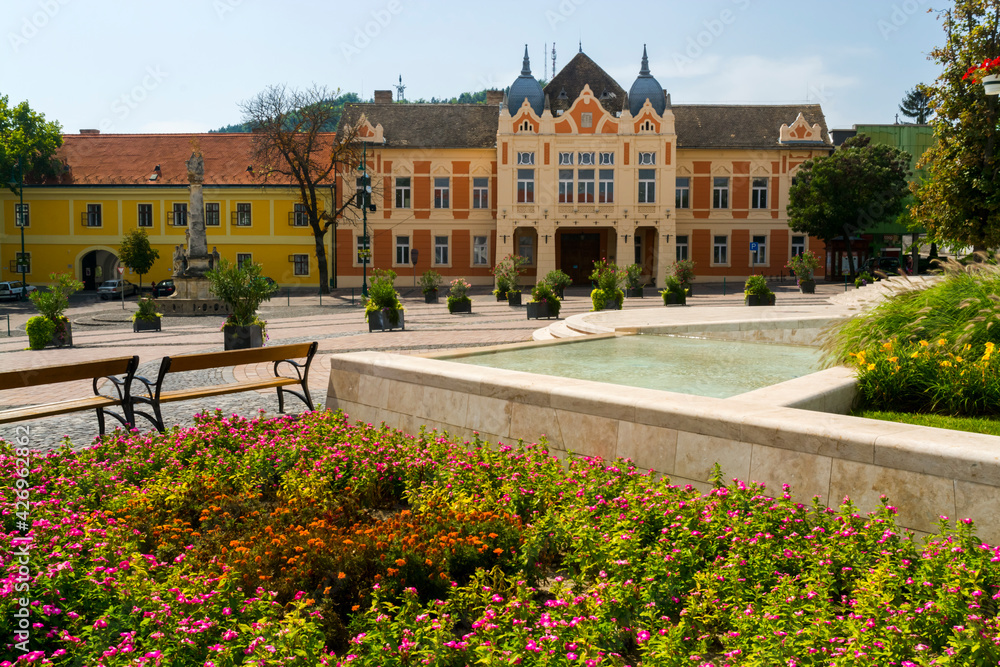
<point>312,541</point>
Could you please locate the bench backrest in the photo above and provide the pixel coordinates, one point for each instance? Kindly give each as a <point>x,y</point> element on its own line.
<point>84,370</point>
<point>256,355</point>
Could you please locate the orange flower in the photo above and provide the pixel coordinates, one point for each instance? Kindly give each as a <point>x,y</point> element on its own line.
<point>340,575</point>
<point>498,551</point>
<point>326,591</point>
<point>400,562</point>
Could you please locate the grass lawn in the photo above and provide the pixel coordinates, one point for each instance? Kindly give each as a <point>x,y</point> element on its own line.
<point>969,424</point>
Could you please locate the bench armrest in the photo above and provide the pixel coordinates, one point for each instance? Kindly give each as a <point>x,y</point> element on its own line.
<point>146,385</point>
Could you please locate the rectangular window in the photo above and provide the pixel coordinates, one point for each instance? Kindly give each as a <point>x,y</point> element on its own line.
<point>22,262</point>
<point>144,215</point>
<point>441,191</point>
<point>402,250</point>
<point>243,218</point>
<point>526,249</point>
<point>683,198</point>
<point>480,193</point>
<point>565,186</point>
<point>402,192</point>
<point>720,192</point>
<point>565,159</point>
<point>300,265</point>
<point>180,214</point>
<point>441,250</point>
<point>647,186</point>
<point>586,159</point>
<point>525,158</point>
<point>798,245</point>
<point>243,258</point>
<point>22,217</point>
<point>607,159</point>
<point>606,186</point>
<point>682,247</point>
<point>299,216</point>
<point>364,249</point>
<point>585,186</point>
<point>758,197</point>
<point>93,218</point>
<point>480,251</point>
<point>213,216</point>
<point>586,120</point>
<point>647,158</point>
<point>525,186</point>
<point>759,256</point>
<point>720,250</point>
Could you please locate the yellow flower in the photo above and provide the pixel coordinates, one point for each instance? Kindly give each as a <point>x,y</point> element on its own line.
<point>893,359</point>
<point>871,367</point>
<point>923,343</point>
<point>946,364</point>
<point>958,359</point>
<point>942,341</point>
<point>887,345</point>
<point>914,355</point>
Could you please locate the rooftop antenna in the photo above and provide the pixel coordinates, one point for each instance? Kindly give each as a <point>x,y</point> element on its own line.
<point>581,43</point>
<point>553,60</point>
<point>399,89</point>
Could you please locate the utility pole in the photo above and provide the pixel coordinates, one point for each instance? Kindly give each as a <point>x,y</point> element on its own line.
<point>20,219</point>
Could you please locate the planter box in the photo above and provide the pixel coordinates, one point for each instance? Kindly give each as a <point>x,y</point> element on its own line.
<point>513,298</point>
<point>243,338</point>
<point>431,297</point>
<point>807,286</point>
<point>537,311</point>
<point>674,299</point>
<point>502,296</point>
<point>634,292</point>
<point>146,325</point>
<point>611,304</point>
<point>559,292</point>
<point>463,307</point>
<point>378,321</point>
<point>756,300</point>
<point>62,336</point>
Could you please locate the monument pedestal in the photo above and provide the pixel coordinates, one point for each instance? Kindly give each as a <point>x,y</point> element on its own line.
<point>192,296</point>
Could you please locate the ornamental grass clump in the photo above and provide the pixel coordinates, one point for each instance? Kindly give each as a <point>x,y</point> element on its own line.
<point>314,541</point>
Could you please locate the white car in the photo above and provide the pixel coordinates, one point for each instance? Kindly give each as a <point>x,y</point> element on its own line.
<point>15,289</point>
<point>113,288</point>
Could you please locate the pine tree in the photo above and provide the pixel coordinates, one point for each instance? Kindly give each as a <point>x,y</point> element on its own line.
<point>917,104</point>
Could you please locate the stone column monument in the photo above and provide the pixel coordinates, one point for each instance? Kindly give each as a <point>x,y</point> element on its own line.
<point>198,259</point>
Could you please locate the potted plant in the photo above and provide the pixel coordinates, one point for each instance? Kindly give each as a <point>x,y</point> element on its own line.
<point>146,318</point>
<point>864,278</point>
<point>757,293</point>
<point>633,280</point>
<point>52,304</point>
<point>988,73</point>
<point>607,294</point>
<point>804,266</point>
<point>383,309</point>
<point>506,273</point>
<point>544,302</point>
<point>458,297</point>
<point>559,281</point>
<point>243,289</point>
<point>684,272</point>
<point>673,293</point>
<point>429,282</point>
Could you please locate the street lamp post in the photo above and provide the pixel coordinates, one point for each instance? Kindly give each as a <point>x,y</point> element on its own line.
<point>23,267</point>
<point>364,197</point>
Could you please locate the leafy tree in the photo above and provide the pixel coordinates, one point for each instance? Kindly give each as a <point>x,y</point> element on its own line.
<point>25,134</point>
<point>858,186</point>
<point>959,200</point>
<point>917,104</point>
<point>337,102</point>
<point>293,146</point>
<point>136,253</point>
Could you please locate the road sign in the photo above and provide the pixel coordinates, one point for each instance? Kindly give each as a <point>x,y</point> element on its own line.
<point>121,269</point>
<point>753,246</point>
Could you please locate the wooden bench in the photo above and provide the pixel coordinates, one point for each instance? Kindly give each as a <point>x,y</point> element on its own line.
<point>120,372</point>
<point>279,354</point>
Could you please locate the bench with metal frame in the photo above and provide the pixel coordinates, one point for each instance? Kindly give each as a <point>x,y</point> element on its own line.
<point>119,372</point>
<point>279,354</point>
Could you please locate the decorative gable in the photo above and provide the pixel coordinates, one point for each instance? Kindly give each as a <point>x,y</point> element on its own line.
<point>368,133</point>
<point>800,131</point>
<point>526,120</point>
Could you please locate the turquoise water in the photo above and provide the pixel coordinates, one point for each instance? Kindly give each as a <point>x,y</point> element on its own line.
<point>686,365</point>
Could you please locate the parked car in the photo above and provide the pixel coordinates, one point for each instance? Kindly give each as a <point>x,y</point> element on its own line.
<point>114,288</point>
<point>887,265</point>
<point>164,288</point>
<point>15,289</point>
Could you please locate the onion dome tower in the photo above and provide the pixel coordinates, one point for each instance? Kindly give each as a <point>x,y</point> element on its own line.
<point>526,87</point>
<point>646,87</point>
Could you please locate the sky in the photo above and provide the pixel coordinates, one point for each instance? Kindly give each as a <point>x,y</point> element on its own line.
<point>185,65</point>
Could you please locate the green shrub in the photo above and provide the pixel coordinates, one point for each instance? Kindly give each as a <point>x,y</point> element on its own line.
<point>506,273</point>
<point>633,276</point>
<point>672,286</point>
<point>542,292</point>
<point>39,329</point>
<point>864,278</point>
<point>147,311</point>
<point>242,288</point>
<point>458,294</point>
<point>757,286</point>
<point>382,295</point>
<point>684,271</point>
<point>52,303</point>
<point>558,279</point>
<point>429,281</point>
<point>804,265</point>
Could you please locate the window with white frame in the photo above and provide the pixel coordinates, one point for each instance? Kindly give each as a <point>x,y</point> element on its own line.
<point>647,158</point>
<point>93,216</point>
<point>720,250</point>
<point>441,192</point>
<point>364,249</point>
<point>525,186</point>
<point>526,248</point>
<point>402,192</point>
<point>586,119</point>
<point>481,192</point>
<point>683,196</point>
<point>585,186</point>
<point>759,256</point>
<point>586,159</point>
<point>525,158</point>
<point>720,192</point>
<point>243,215</point>
<point>565,186</point>
<point>758,195</point>
<point>144,215</point>
<point>606,186</point>
<point>213,215</point>
<point>180,214</point>
<point>243,258</point>
<point>480,251</point>
<point>565,159</point>
<point>300,218</point>
<point>441,250</point>
<point>300,264</point>
<point>798,245</point>
<point>606,159</point>
<point>402,250</point>
<point>682,247</point>
<point>647,186</point>
<point>22,215</point>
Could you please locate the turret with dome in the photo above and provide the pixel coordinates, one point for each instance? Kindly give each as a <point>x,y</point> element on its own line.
<point>526,87</point>
<point>646,87</point>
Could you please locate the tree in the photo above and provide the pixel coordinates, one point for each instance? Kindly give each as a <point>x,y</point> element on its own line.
<point>917,104</point>
<point>292,146</point>
<point>136,253</point>
<point>26,135</point>
<point>858,186</point>
<point>959,200</point>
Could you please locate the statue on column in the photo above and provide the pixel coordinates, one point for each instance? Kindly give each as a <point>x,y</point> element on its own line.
<point>198,259</point>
